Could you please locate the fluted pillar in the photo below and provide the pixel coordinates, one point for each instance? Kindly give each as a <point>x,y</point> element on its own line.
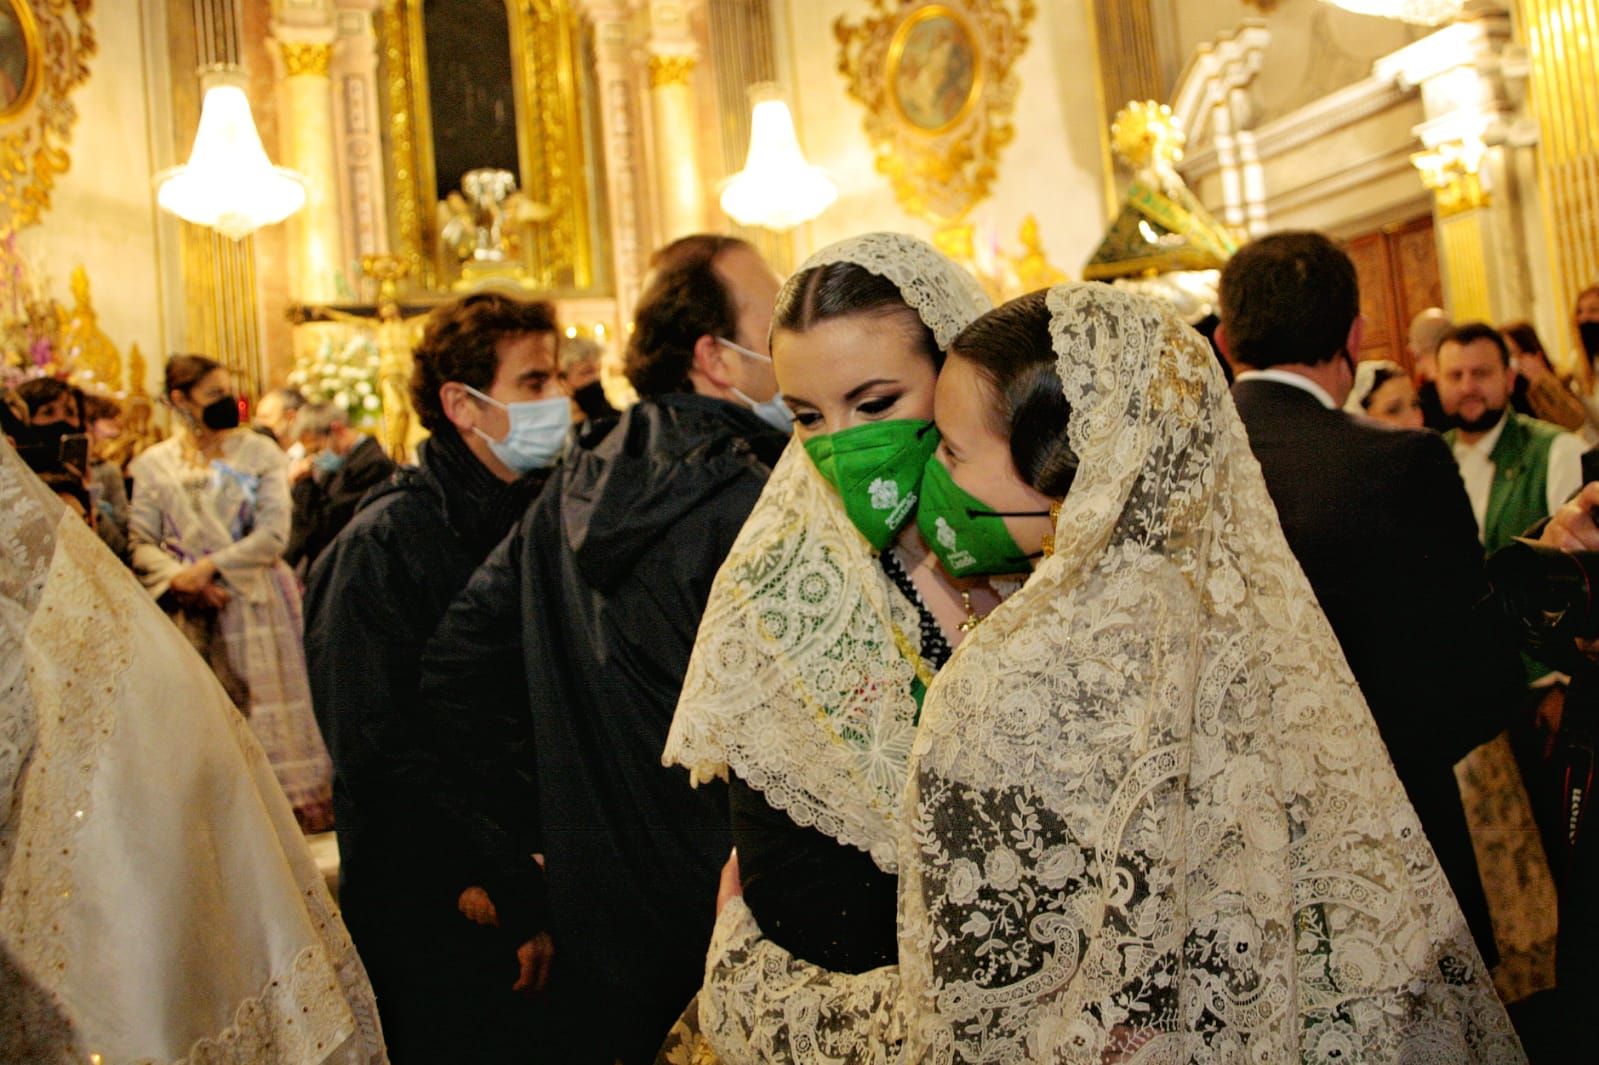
<point>316,235</point>
<point>673,57</point>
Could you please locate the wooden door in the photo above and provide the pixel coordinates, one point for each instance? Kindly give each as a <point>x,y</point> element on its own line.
<point>1397,267</point>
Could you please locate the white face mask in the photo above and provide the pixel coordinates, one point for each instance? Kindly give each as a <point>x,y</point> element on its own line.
<point>773,412</point>
<point>537,434</point>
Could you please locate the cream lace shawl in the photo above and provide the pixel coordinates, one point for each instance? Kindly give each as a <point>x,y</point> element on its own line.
<point>1149,818</point>
<point>157,902</point>
<point>800,680</point>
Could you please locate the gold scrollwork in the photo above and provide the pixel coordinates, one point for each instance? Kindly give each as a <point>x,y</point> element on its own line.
<point>546,65</point>
<point>937,83</point>
<point>671,70</point>
<point>36,123</point>
<point>307,57</point>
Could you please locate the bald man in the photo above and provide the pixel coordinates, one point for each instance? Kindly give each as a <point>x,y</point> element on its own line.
<point>1427,331</point>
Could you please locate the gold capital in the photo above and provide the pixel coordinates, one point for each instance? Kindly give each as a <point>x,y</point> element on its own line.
<point>670,70</point>
<point>301,57</point>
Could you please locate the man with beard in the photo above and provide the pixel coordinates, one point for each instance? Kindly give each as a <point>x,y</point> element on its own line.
<point>1518,470</point>
<point>1377,519</point>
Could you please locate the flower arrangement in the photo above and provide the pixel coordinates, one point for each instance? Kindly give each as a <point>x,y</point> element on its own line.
<point>343,370</point>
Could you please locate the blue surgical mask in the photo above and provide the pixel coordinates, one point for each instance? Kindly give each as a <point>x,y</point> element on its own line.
<point>328,462</point>
<point>537,434</point>
<point>773,412</point>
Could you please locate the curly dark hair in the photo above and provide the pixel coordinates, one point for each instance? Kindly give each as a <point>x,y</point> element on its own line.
<point>684,299</point>
<point>461,343</point>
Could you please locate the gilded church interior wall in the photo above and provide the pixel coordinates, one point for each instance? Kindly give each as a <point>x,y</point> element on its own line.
<point>102,212</point>
<point>1052,169</point>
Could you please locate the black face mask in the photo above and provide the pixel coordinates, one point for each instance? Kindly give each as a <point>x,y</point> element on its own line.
<point>221,414</point>
<point>591,401</point>
<point>1589,332</point>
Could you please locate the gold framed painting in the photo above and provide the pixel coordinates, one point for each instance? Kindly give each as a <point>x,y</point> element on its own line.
<point>45,47</point>
<point>937,81</point>
<point>20,57</point>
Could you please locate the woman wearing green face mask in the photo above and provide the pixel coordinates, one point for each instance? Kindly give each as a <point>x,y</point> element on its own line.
<point>1148,816</point>
<point>830,616</point>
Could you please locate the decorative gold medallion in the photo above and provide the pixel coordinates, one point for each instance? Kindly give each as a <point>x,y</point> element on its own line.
<point>45,47</point>
<point>937,83</point>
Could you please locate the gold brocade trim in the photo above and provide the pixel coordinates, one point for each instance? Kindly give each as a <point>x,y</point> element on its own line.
<point>307,58</point>
<point>671,70</point>
<point>35,126</point>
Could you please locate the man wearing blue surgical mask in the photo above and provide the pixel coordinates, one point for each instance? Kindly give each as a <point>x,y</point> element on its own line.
<point>592,604</point>
<point>485,387</point>
<point>345,465</point>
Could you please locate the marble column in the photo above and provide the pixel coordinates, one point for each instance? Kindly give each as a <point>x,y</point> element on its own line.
<point>358,143</point>
<point>1468,160</point>
<point>673,57</point>
<point>317,257</point>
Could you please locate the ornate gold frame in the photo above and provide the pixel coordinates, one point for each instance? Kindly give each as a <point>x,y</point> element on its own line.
<point>34,131</point>
<point>545,58</point>
<point>940,173</point>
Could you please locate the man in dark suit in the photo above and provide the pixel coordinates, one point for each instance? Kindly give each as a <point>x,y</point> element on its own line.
<point>1379,520</point>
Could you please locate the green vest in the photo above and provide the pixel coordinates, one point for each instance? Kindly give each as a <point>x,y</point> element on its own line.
<point>1520,492</point>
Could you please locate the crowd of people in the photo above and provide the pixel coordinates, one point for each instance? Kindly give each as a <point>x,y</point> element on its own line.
<point>902,678</point>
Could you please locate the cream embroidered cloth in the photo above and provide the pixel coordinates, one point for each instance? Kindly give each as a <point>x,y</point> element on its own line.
<point>1149,818</point>
<point>800,681</point>
<point>157,902</point>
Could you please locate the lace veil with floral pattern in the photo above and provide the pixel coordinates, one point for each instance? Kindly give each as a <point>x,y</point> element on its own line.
<point>157,901</point>
<point>800,680</point>
<point>1149,817</point>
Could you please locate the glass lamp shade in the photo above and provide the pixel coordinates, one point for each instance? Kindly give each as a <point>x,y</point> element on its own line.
<point>229,183</point>
<point>777,189</point>
<point>1420,12</point>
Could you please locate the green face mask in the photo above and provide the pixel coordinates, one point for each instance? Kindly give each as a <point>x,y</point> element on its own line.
<point>877,470</point>
<point>968,536</point>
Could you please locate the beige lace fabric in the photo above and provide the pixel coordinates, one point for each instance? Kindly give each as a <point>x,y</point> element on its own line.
<point>800,680</point>
<point>157,902</point>
<point>1149,818</point>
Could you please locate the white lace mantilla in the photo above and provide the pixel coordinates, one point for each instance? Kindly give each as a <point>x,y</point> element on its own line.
<point>800,681</point>
<point>945,296</point>
<point>1149,816</point>
<point>157,903</point>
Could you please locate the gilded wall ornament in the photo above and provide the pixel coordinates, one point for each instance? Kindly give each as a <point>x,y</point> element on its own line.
<point>671,70</point>
<point>312,58</point>
<point>936,80</point>
<point>45,46</point>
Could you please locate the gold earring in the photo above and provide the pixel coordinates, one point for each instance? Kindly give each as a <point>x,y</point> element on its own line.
<point>1048,545</point>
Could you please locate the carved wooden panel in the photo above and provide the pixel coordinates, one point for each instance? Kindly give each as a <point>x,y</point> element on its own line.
<point>1397,267</point>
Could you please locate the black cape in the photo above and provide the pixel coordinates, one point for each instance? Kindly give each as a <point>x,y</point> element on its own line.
<point>372,599</point>
<point>592,605</point>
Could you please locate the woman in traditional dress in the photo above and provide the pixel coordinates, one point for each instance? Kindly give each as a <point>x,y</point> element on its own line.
<point>830,615</point>
<point>1148,816</point>
<point>210,517</point>
<point>157,902</point>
